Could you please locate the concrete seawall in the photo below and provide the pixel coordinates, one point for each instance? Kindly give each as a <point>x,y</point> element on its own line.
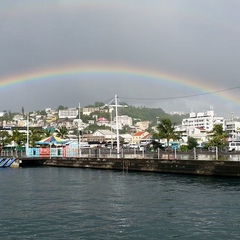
<point>197,167</point>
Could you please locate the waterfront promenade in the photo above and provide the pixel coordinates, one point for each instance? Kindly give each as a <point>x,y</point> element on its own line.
<point>128,153</point>
<point>227,168</point>
<point>196,163</point>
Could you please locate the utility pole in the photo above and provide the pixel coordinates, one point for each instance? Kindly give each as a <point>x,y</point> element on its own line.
<point>27,145</point>
<point>116,105</point>
<point>117,128</point>
<point>79,131</point>
<point>111,127</point>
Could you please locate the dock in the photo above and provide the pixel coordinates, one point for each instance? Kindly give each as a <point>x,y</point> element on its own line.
<point>176,166</point>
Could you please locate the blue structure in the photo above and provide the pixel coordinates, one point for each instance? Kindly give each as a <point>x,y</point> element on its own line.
<point>6,162</point>
<point>9,163</point>
<point>33,152</point>
<point>175,145</point>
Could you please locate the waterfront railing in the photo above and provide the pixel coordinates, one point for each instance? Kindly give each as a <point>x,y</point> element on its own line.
<point>124,153</point>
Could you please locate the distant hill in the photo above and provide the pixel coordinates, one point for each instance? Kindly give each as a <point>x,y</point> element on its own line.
<point>150,114</point>
<point>144,113</point>
<point>141,113</point>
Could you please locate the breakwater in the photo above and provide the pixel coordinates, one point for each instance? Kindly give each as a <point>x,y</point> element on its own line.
<point>197,167</point>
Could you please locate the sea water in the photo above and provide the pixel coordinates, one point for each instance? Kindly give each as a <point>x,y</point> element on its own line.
<point>74,203</point>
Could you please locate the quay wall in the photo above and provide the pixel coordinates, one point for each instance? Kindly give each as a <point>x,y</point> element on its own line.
<point>176,166</point>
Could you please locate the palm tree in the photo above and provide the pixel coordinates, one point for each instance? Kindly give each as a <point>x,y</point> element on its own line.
<point>47,133</point>
<point>18,137</point>
<point>166,130</point>
<point>34,136</point>
<point>5,138</point>
<point>62,132</point>
<point>219,137</point>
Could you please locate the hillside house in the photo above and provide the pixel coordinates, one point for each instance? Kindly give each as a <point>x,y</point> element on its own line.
<point>137,137</point>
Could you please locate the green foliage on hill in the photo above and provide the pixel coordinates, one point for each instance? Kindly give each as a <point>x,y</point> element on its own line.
<point>149,114</point>
<point>139,114</point>
<point>8,116</point>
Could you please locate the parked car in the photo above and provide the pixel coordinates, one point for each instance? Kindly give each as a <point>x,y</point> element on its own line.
<point>233,146</point>
<point>133,146</point>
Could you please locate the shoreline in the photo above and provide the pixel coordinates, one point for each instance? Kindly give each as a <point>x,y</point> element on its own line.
<point>176,166</point>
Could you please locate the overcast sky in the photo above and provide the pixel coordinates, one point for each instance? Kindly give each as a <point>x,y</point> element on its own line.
<point>196,40</point>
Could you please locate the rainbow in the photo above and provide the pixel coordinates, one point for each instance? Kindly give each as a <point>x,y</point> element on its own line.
<point>96,70</point>
<point>60,72</point>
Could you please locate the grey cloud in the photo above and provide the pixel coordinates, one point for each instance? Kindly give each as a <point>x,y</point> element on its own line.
<point>195,39</point>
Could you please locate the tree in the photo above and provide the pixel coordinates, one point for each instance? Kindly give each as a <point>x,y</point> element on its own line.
<point>47,133</point>
<point>61,107</point>
<point>192,143</point>
<point>41,112</point>
<point>18,137</point>
<point>219,137</point>
<point>95,127</point>
<point>166,130</point>
<point>62,132</point>
<point>5,138</point>
<point>34,136</point>
<point>99,104</point>
<point>8,116</point>
<point>100,114</point>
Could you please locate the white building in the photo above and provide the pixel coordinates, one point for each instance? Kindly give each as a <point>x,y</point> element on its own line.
<point>68,113</point>
<point>124,120</point>
<point>233,128</point>
<point>142,126</point>
<point>198,133</point>
<point>107,134</point>
<point>205,120</point>
<point>126,137</point>
<point>89,110</point>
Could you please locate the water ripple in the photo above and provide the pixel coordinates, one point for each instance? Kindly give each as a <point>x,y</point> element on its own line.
<point>65,203</point>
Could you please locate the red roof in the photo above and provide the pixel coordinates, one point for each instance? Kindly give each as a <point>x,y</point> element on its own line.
<point>148,136</point>
<point>138,134</point>
<point>102,119</point>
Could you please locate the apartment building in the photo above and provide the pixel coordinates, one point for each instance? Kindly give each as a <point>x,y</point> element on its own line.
<point>205,120</point>
<point>124,120</point>
<point>68,113</point>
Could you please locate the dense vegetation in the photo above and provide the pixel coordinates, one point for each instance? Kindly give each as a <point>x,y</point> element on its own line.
<point>150,114</point>
<point>142,113</point>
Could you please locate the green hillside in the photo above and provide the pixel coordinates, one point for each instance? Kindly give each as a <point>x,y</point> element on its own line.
<point>149,114</point>
<point>141,113</point>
